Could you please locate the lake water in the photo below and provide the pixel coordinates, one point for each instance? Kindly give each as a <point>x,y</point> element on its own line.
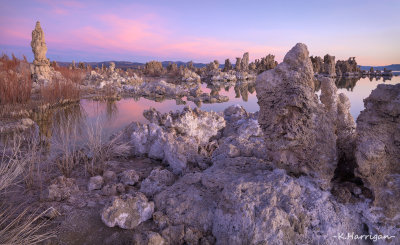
<point>115,115</point>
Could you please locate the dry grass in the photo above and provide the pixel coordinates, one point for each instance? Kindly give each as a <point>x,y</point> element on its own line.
<point>18,227</point>
<point>75,76</point>
<point>65,144</point>
<point>22,228</point>
<point>59,90</point>
<point>15,80</point>
<point>98,152</point>
<point>12,163</point>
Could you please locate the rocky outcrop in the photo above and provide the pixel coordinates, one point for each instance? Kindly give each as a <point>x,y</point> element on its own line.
<point>154,68</point>
<point>227,66</point>
<point>175,137</point>
<point>242,135</point>
<point>188,76</point>
<point>238,65</point>
<point>243,201</point>
<point>41,65</point>
<point>158,180</point>
<point>299,135</point>
<point>318,64</point>
<point>378,148</point>
<point>266,63</point>
<point>127,211</point>
<point>114,79</point>
<point>245,62</point>
<point>347,67</point>
<point>329,66</point>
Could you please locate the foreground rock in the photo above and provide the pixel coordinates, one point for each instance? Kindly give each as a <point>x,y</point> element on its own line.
<point>378,148</point>
<point>243,201</point>
<point>176,137</point>
<point>127,211</point>
<point>299,134</point>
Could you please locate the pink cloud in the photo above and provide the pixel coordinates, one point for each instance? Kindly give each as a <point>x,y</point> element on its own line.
<point>146,36</point>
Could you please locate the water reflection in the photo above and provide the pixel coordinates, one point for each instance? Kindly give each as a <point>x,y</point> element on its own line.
<point>118,114</point>
<point>60,119</point>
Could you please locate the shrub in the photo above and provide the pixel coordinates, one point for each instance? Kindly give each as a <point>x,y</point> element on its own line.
<point>15,80</point>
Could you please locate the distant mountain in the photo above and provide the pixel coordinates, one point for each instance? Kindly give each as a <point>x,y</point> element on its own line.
<point>394,67</point>
<point>132,65</point>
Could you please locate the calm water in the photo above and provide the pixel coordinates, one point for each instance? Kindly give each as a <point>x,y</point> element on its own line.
<point>117,114</point>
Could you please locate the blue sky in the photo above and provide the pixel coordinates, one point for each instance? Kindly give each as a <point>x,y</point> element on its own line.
<point>203,30</point>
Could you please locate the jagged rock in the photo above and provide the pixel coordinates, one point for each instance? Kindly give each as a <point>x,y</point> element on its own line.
<point>174,137</point>
<point>227,66</point>
<point>129,177</point>
<point>127,211</point>
<point>157,181</point>
<point>299,135</point>
<point>41,64</point>
<point>318,64</point>
<point>189,76</point>
<point>245,62</point>
<point>243,201</point>
<point>62,188</point>
<point>347,67</point>
<point>329,65</point>
<point>95,183</point>
<point>238,65</point>
<point>242,135</point>
<point>268,62</point>
<point>378,148</point>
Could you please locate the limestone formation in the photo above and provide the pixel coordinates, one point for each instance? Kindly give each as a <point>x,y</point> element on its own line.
<point>299,135</point>
<point>41,63</point>
<point>129,177</point>
<point>111,67</point>
<point>329,65</point>
<point>378,147</point>
<point>175,137</point>
<point>245,62</point>
<point>127,211</point>
<point>266,63</point>
<point>157,181</point>
<point>172,68</point>
<point>154,68</point>
<point>318,64</point>
<point>238,65</point>
<point>227,66</point>
<point>243,201</point>
<point>347,67</point>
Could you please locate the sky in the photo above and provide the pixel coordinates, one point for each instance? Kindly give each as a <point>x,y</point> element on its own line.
<point>202,31</point>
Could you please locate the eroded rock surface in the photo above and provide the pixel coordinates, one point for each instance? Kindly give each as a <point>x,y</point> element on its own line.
<point>127,211</point>
<point>378,148</point>
<point>299,135</point>
<point>175,137</point>
<point>244,201</point>
<point>41,65</point>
